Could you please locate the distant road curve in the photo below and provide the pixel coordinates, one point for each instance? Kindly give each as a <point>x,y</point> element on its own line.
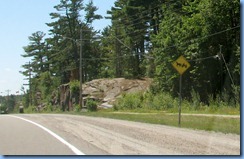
<point>20,136</point>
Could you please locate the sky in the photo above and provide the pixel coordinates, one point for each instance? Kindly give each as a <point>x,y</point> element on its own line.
<point>19,19</point>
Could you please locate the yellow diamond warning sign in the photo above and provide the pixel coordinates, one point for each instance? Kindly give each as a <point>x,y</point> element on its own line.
<point>181,65</point>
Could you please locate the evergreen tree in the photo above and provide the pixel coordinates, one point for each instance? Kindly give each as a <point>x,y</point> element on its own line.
<point>196,29</point>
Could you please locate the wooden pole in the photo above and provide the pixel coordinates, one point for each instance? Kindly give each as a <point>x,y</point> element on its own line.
<point>81,97</point>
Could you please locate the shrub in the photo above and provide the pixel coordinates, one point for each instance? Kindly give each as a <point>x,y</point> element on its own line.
<point>160,101</point>
<point>30,109</point>
<point>129,101</point>
<point>91,105</point>
<point>48,108</point>
<point>164,101</point>
<point>75,86</point>
<point>77,108</point>
<point>149,101</point>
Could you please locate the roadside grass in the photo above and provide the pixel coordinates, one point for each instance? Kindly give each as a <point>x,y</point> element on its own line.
<point>169,118</point>
<point>208,123</point>
<point>208,110</point>
<point>163,109</point>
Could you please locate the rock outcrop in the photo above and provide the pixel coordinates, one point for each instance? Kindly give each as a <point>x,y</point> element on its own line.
<point>107,90</point>
<point>103,90</point>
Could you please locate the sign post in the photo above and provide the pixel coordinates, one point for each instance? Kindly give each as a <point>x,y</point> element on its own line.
<point>181,65</point>
<point>180,101</point>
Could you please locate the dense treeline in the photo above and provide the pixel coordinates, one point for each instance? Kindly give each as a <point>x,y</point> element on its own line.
<point>144,38</point>
<point>7,103</point>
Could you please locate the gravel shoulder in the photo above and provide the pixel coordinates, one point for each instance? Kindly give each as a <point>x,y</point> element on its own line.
<point>102,136</point>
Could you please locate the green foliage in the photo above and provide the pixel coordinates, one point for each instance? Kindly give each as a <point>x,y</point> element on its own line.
<point>195,29</point>
<point>196,101</point>
<point>145,37</point>
<point>3,108</point>
<point>131,21</point>
<point>8,103</point>
<point>26,99</point>
<point>91,105</point>
<point>162,101</point>
<point>54,59</point>
<point>129,101</point>
<point>48,108</point>
<point>37,51</point>
<point>77,108</point>
<point>238,60</point>
<point>147,102</point>
<point>45,84</point>
<point>74,86</point>
<point>30,109</point>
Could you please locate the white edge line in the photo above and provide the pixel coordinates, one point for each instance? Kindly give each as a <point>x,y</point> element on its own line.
<point>73,148</point>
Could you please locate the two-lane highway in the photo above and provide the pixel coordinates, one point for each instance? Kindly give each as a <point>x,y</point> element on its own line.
<point>19,136</point>
<point>76,134</point>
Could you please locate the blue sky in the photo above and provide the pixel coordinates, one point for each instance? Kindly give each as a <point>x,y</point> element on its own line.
<point>19,19</point>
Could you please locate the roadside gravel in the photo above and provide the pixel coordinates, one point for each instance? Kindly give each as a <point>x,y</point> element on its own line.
<point>101,136</point>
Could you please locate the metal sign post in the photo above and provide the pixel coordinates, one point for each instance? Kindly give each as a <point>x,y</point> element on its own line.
<point>181,65</point>
<point>180,100</point>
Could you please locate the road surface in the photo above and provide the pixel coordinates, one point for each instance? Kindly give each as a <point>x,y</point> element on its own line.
<point>23,137</point>
<point>100,136</point>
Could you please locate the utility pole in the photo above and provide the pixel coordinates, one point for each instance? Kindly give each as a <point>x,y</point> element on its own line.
<point>81,97</point>
<point>227,68</point>
<point>8,91</point>
<point>8,98</point>
<point>221,69</point>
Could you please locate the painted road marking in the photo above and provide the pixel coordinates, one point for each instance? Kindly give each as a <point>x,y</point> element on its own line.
<point>73,148</point>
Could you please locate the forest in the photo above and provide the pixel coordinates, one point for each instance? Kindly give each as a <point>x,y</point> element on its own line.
<point>143,40</point>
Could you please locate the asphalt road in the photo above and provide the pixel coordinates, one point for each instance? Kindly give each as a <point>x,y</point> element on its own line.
<point>20,137</point>
<point>22,134</point>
